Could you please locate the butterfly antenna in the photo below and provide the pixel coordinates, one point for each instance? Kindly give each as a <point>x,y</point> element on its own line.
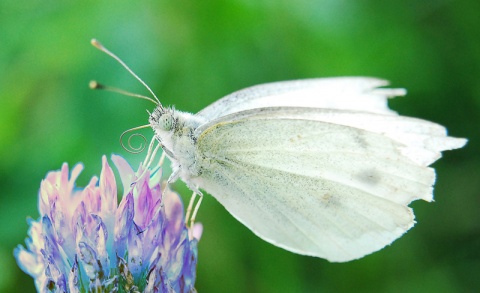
<point>99,46</point>
<point>129,148</point>
<point>94,85</point>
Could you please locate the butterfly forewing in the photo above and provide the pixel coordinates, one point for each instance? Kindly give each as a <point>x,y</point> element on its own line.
<point>346,93</point>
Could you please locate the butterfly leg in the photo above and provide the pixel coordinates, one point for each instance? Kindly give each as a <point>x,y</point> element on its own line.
<point>150,157</point>
<point>197,206</point>
<point>174,176</point>
<point>190,206</point>
<point>149,151</point>
<point>160,161</point>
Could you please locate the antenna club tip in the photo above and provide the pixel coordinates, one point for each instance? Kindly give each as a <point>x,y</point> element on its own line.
<point>96,43</point>
<point>94,85</point>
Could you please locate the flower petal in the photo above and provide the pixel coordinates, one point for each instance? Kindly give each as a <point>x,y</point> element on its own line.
<point>127,280</point>
<point>28,261</point>
<point>84,241</point>
<point>123,223</point>
<point>127,175</point>
<point>108,187</point>
<point>88,259</point>
<point>143,205</point>
<point>73,283</point>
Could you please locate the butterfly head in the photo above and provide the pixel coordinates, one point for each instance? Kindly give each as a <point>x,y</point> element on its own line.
<point>164,122</point>
<point>163,119</point>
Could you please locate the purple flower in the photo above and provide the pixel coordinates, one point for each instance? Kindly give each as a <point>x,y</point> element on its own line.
<point>85,240</point>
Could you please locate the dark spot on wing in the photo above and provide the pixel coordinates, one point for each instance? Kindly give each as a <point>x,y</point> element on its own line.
<point>361,141</point>
<point>369,176</point>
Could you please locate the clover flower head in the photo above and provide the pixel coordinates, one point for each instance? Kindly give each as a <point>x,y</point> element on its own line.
<point>86,241</point>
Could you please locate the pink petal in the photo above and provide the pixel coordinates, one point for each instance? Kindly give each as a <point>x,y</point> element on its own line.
<point>108,187</point>
<point>127,175</point>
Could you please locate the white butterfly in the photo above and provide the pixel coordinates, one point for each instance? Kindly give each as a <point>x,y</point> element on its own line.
<point>319,167</point>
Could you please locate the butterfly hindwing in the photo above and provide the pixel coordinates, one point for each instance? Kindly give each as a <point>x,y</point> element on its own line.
<point>312,187</point>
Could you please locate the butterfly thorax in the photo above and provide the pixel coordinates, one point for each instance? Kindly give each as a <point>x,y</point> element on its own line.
<point>175,132</point>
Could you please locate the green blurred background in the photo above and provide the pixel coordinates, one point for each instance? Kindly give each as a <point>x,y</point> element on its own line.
<point>194,52</point>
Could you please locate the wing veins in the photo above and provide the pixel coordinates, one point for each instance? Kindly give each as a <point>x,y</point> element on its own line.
<point>348,184</point>
<point>299,228</point>
<point>332,222</point>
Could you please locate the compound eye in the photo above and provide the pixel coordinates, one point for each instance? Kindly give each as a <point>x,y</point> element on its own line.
<point>166,122</point>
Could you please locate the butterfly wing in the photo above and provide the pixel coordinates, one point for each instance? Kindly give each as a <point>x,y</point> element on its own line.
<point>347,93</point>
<point>312,187</point>
<point>421,141</point>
